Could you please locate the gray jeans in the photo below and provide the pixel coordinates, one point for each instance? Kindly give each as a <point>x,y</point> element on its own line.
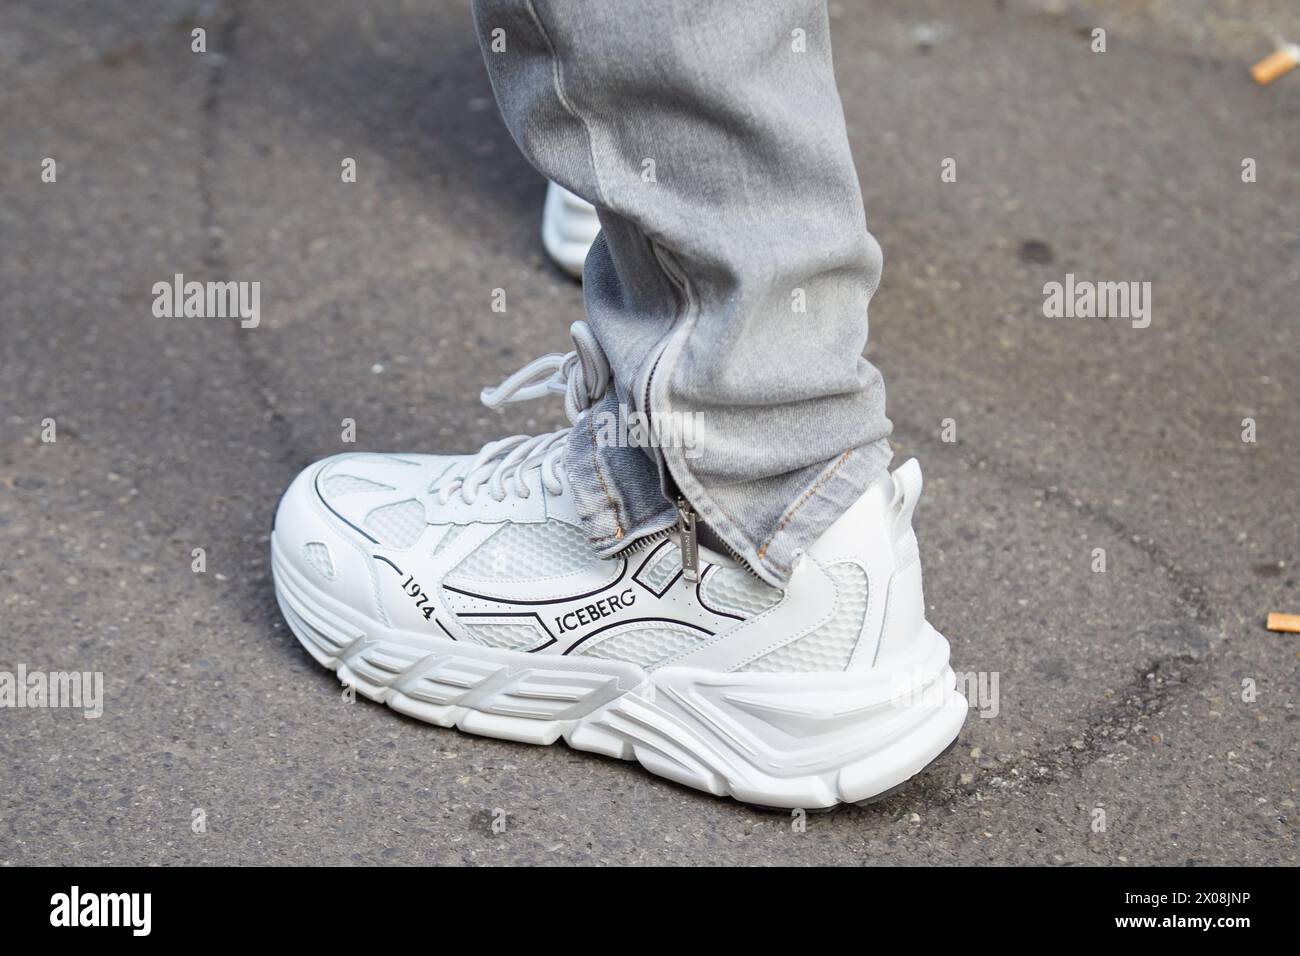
<point>730,282</point>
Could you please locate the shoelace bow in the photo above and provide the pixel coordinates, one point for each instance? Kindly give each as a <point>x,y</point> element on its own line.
<point>581,376</point>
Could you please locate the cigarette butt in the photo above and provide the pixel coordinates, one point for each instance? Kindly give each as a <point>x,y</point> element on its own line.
<point>1278,63</point>
<point>1290,623</point>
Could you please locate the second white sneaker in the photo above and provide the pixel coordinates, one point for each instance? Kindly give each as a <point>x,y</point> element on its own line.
<point>569,227</point>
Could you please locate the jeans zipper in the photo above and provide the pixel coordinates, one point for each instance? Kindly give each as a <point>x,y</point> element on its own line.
<point>690,542</point>
<point>688,537</point>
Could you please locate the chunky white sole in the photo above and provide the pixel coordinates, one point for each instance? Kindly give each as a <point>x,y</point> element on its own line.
<point>569,227</point>
<point>779,740</point>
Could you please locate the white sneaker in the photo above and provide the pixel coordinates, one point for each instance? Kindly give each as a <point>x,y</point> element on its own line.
<point>461,590</point>
<point>569,227</point>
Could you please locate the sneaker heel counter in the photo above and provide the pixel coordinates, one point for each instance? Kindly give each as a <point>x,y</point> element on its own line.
<point>904,612</point>
<point>876,534</point>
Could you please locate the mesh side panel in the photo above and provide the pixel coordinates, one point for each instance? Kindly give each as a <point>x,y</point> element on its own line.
<point>509,636</point>
<point>661,569</point>
<point>317,554</point>
<point>519,552</point>
<point>736,591</point>
<point>452,534</point>
<point>647,646</point>
<point>397,525</point>
<point>336,485</point>
<point>830,646</point>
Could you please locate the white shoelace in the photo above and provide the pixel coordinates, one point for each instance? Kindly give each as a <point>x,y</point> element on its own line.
<point>581,376</point>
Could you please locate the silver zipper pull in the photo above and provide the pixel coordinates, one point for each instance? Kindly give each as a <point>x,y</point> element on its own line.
<point>689,543</point>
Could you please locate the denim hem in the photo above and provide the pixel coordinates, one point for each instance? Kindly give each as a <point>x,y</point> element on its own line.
<point>616,489</point>
<point>835,491</point>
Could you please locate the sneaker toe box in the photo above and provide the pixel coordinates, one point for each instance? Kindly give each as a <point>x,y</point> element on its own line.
<point>339,511</point>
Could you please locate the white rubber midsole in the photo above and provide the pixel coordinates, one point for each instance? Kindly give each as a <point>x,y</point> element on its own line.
<point>789,740</point>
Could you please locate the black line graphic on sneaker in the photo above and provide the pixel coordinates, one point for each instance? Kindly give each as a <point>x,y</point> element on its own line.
<point>315,483</point>
<point>430,613</point>
<point>550,638</point>
<point>699,595</point>
<point>616,587</point>
<point>650,559</point>
<point>622,572</point>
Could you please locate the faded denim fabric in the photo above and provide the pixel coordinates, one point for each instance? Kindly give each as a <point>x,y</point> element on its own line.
<point>734,267</point>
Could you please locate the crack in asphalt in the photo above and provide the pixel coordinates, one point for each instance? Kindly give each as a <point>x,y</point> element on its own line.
<point>215,261</point>
<point>1155,685</point>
